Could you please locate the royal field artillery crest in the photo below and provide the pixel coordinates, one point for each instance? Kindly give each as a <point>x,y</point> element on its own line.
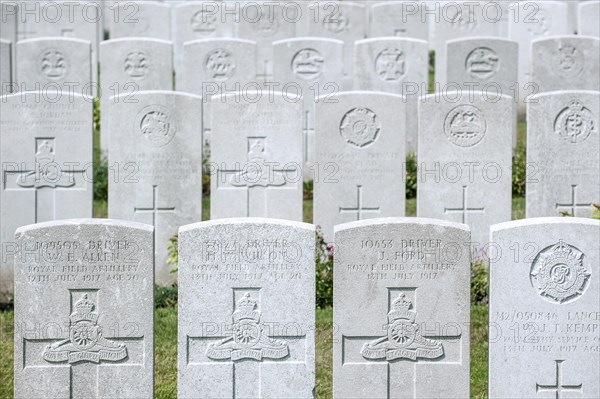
<point>404,340</point>
<point>86,342</point>
<point>249,340</point>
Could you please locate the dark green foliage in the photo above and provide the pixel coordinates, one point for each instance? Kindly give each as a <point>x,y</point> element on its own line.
<point>324,269</point>
<point>165,297</point>
<point>480,283</point>
<point>519,171</point>
<point>411,175</point>
<point>101,181</point>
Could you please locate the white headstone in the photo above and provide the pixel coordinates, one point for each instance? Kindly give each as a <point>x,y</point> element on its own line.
<point>399,18</point>
<point>155,140</point>
<point>5,67</point>
<point>465,160</point>
<point>46,156</point>
<point>589,14</point>
<point>84,304</point>
<point>310,67</point>
<point>247,309</point>
<point>562,151</point>
<point>566,63</point>
<point>394,65</point>
<point>401,309</point>
<point>256,157</point>
<point>9,11</point>
<point>55,64</point>
<point>544,317</point>
<point>149,19</point>
<point>129,66</point>
<point>360,154</point>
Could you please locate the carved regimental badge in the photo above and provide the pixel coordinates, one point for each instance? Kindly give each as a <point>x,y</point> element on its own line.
<point>46,173</point>
<point>336,22</point>
<point>203,22</point>
<point>308,64</point>
<point>53,64</point>
<point>403,340</point>
<point>390,65</point>
<point>85,342</point>
<point>155,125</point>
<point>219,64</point>
<point>482,63</point>
<point>575,123</point>
<point>568,60</point>
<point>136,64</point>
<point>360,127</point>
<point>248,340</point>
<point>266,25</point>
<point>558,273</point>
<point>465,126</point>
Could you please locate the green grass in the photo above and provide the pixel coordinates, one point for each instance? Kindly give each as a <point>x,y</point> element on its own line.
<point>166,353</point>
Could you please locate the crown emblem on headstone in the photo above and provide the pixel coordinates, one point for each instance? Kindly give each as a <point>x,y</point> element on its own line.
<point>401,310</point>
<point>246,310</point>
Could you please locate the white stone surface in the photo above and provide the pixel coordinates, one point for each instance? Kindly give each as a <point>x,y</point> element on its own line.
<point>399,18</point>
<point>588,15</point>
<point>149,19</point>
<point>5,67</point>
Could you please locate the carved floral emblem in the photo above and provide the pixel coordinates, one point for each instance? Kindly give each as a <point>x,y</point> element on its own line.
<point>220,64</point>
<point>248,340</point>
<point>360,127</point>
<point>85,342</point>
<point>308,64</point>
<point>575,123</point>
<point>403,340</point>
<point>136,64</point>
<point>54,64</point>
<point>155,126</point>
<point>482,63</point>
<point>390,65</point>
<point>465,126</point>
<point>558,273</point>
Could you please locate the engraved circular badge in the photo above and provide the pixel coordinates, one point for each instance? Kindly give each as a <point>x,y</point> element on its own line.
<point>307,64</point>
<point>539,23</point>
<point>266,26</point>
<point>402,333</point>
<point>84,334</point>
<point>247,333</point>
<point>136,64</point>
<point>155,126</point>
<point>558,274</point>
<point>390,65</point>
<point>575,123</point>
<point>360,127</point>
<point>465,126</point>
<point>203,22</point>
<point>336,23</point>
<point>220,65</point>
<point>569,61</point>
<point>53,64</point>
<point>482,63</point>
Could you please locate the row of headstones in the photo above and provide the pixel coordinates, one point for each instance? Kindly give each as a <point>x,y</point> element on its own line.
<point>84,325</point>
<point>257,165</point>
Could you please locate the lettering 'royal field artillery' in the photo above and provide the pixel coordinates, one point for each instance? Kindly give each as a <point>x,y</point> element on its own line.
<point>85,342</point>
<point>404,340</point>
<point>248,340</point>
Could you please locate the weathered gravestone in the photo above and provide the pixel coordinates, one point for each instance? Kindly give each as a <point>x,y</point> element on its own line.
<point>199,20</point>
<point>46,151</point>
<point>310,67</point>
<point>360,153</point>
<point>129,66</point>
<point>55,64</point>
<point>566,63</point>
<point>401,309</point>
<point>149,19</point>
<point>256,157</point>
<point>8,28</point>
<point>155,141</point>
<point>5,67</point>
<point>588,16</point>
<point>84,310</point>
<point>394,65</point>
<point>562,154</point>
<point>399,18</point>
<point>544,317</point>
<point>465,158</point>
<point>246,309</point>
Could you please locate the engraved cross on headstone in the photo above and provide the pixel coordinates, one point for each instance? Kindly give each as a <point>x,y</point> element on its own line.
<point>154,210</point>
<point>558,386</point>
<point>249,343</point>
<point>401,372</point>
<point>87,346</point>
<point>44,179</point>
<point>360,209</point>
<point>308,133</point>
<point>464,210</point>
<point>574,206</point>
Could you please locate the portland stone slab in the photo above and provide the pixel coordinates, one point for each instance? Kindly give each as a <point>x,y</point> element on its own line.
<point>55,64</point>
<point>399,18</point>
<point>9,15</point>
<point>562,149</point>
<point>246,309</point>
<point>394,65</point>
<point>360,141</point>
<point>5,67</point>
<point>566,63</point>
<point>129,66</point>
<point>401,309</point>
<point>156,141</point>
<point>256,157</point>
<point>149,19</point>
<point>544,317</point>
<point>588,14</point>
<point>84,304</point>
<point>465,156</point>
<point>46,152</point>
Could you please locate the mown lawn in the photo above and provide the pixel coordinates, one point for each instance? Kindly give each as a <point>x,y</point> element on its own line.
<point>166,353</point>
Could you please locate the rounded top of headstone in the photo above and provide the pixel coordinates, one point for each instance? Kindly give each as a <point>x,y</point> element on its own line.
<point>54,40</point>
<point>308,40</point>
<point>364,93</point>
<point>398,39</point>
<point>214,42</point>
<point>544,221</point>
<point>477,39</point>
<point>134,40</point>
<point>246,221</point>
<point>400,220</point>
<point>564,37</point>
<point>85,222</point>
